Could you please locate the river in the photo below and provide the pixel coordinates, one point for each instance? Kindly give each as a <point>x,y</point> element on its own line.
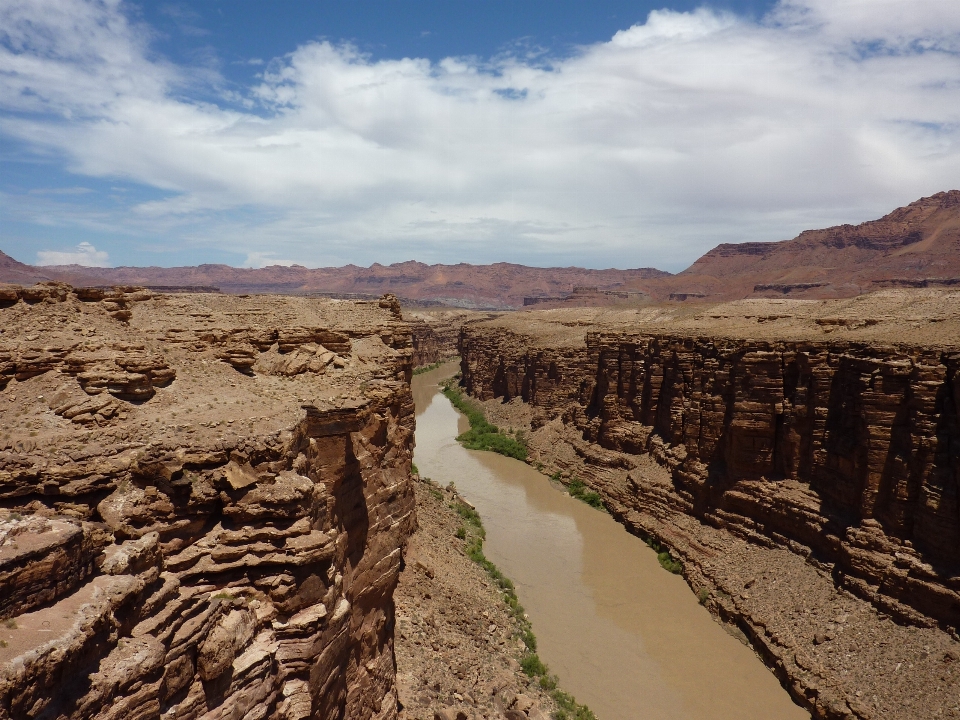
<point>624,636</point>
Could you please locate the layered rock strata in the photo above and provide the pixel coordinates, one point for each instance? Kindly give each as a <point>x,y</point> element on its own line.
<point>435,333</point>
<point>222,536</point>
<point>804,482</point>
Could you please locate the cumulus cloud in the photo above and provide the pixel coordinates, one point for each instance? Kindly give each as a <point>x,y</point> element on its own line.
<point>678,133</point>
<point>85,254</point>
<point>265,259</point>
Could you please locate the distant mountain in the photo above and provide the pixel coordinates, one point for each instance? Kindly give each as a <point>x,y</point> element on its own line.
<point>497,286</point>
<point>12,271</point>
<point>914,246</point>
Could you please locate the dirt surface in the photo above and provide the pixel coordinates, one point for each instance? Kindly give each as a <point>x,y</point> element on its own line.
<point>457,645</point>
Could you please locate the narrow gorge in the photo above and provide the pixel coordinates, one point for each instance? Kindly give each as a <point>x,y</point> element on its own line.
<point>802,460</point>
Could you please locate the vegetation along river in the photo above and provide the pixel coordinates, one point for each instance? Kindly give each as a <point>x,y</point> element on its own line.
<point>624,636</point>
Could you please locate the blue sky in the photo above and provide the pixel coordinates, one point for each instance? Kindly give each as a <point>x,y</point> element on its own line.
<point>603,134</point>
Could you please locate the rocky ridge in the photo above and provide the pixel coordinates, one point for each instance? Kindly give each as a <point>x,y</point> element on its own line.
<point>801,462</point>
<point>915,246</point>
<point>497,286</point>
<point>204,504</point>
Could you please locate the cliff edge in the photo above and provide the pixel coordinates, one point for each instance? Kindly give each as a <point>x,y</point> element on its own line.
<point>204,504</point>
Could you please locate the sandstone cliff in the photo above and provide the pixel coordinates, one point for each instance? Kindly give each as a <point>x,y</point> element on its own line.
<point>435,333</point>
<point>791,472</point>
<point>204,503</point>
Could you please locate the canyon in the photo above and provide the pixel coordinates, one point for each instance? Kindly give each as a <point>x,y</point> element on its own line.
<point>208,509</point>
<point>205,501</point>
<point>801,459</point>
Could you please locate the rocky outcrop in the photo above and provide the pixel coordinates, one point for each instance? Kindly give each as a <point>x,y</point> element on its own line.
<point>435,333</point>
<point>871,433</point>
<point>838,453</point>
<point>225,545</point>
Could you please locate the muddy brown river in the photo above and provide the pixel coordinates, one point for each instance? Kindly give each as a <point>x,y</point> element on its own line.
<point>624,636</point>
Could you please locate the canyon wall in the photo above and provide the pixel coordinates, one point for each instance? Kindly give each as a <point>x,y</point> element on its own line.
<point>433,343</point>
<point>799,459</point>
<point>851,451</point>
<point>204,504</point>
<point>435,333</point>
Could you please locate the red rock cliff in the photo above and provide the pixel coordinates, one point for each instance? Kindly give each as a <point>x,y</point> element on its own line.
<point>204,502</point>
<point>850,451</point>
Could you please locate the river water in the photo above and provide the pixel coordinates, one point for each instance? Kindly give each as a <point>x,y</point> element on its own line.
<point>624,636</point>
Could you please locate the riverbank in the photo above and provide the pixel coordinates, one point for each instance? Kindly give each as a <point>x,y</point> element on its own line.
<point>458,644</point>
<point>623,636</point>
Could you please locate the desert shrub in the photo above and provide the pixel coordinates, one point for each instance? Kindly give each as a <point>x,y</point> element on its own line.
<point>483,435</point>
<point>532,665</point>
<point>580,491</point>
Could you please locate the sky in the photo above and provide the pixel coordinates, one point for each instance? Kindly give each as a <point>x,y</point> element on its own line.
<point>543,132</point>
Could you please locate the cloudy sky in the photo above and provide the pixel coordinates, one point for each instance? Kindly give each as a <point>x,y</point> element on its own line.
<point>544,132</point>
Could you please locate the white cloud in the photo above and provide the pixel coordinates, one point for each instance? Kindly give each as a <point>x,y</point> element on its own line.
<point>265,259</point>
<point>688,130</point>
<point>85,254</point>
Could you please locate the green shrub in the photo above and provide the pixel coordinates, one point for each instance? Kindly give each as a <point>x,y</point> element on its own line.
<point>580,491</point>
<point>532,665</point>
<point>414,470</point>
<point>666,560</point>
<point>484,435</point>
<point>570,709</point>
<point>668,563</point>
<point>703,595</point>
<point>462,533</point>
<point>548,682</point>
<point>468,514</point>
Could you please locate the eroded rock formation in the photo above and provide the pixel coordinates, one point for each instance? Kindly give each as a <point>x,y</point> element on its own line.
<point>435,332</point>
<point>789,473</point>
<point>204,503</point>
